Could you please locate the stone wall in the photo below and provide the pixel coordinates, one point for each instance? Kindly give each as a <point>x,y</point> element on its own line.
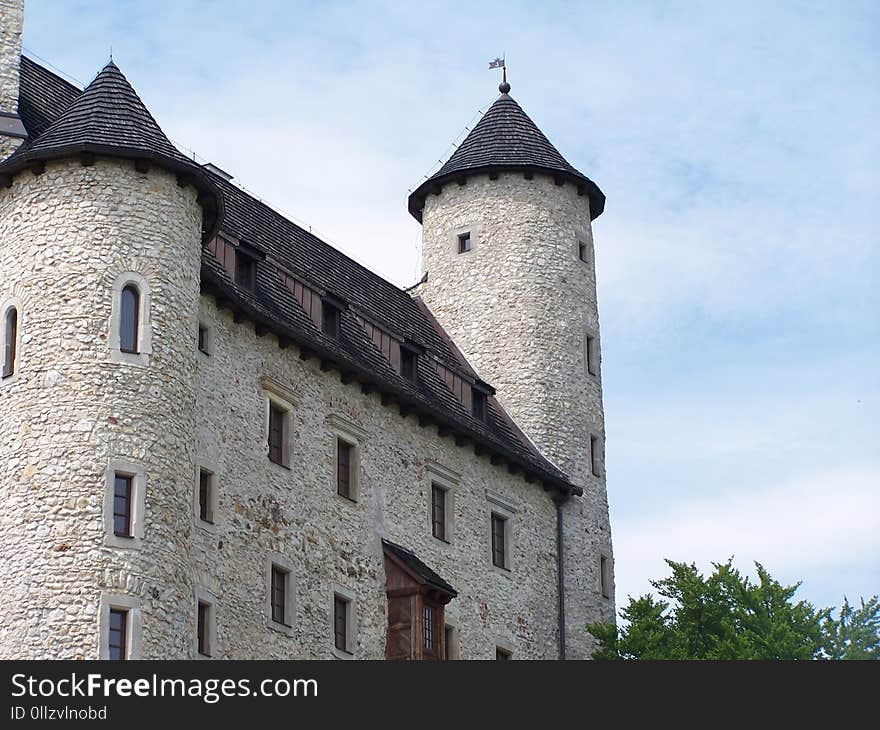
<point>65,236</point>
<point>73,407</point>
<point>11,24</point>
<point>520,305</point>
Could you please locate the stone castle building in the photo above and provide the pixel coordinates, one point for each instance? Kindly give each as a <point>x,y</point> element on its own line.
<point>219,436</point>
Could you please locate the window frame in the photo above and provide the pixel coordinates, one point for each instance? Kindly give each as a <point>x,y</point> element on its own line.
<point>591,354</point>
<point>203,597</point>
<point>206,509</point>
<point>605,576</point>
<point>110,601</point>
<point>277,409</point>
<point>137,474</point>
<point>344,446</point>
<point>127,481</point>
<point>11,342</point>
<point>281,564</point>
<point>244,263</point>
<point>347,431</point>
<point>448,480</point>
<point>500,548</point>
<point>143,350</point>
<point>409,363</point>
<point>595,455</point>
<point>503,508</point>
<point>479,404</point>
<point>331,314</point>
<point>124,324</point>
<point>205,339</point>
<point>350,599</point>
<point>439,527</point>
<point>464,242</point>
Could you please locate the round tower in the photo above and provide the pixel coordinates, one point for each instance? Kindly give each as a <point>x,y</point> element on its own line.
<point>101,226</point>
<point>507,252</point>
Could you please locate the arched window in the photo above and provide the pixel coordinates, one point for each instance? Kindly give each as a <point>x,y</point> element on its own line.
<point>129,314</point>
<point>10,337</point>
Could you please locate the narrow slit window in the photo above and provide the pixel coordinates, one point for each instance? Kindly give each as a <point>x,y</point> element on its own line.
<point>10,337</point>
<point>277,431</point>
<point>206,496</point>
<point>499,541</point>
<point>438,512</point>
<point>340,623</point>
<point>605,576</point>
<point>122,501</point>
<point>129,315</point>
<point>203,620</point>
<point>591,355</point>
<point>203,339</point>
<point>448,642</point>
<point>464,242</point>
<point>428,626</point>
<point>594,455</point>
<point>278,598</point>
<point>245,270</point>
<point>583,251</point>
<point>344,468</point>
<point>117,629</point>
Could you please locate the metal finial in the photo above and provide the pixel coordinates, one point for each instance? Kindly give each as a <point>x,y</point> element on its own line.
<point>501,63</point>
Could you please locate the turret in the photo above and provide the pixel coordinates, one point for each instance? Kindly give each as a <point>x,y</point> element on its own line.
<point>12,131</point>
<point>507,254</point>
<point>101,226</point>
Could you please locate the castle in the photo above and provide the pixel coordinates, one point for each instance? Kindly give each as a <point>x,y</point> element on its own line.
<point>221,437</point>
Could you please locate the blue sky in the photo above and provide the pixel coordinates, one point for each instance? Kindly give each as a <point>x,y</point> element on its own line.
<point>738,256</point>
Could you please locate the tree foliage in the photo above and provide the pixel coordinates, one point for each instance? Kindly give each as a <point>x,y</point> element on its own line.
<point>728,616</point>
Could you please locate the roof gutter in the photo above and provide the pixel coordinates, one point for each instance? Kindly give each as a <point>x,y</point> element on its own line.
<point>559,500</point>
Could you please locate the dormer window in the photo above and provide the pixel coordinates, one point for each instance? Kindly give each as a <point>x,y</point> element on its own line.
<point>478,404</point>
<point>245,270</point>
<point>464,242</point>
<point>409,363</point>
<point>330,319</point>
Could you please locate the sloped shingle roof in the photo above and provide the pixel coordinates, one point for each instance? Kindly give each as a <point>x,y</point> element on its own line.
<point>506,138</point>
<point>412,562</point>
<point>109,116</point>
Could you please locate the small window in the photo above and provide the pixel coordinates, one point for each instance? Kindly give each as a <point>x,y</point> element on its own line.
<point>204,339</point>
<point>464,242</point>
<point>10,339</point>
<point>122,503</point>
<point>117,629</point>
<point>245,270</point>
<point>499,541</point>
<point>594,455</point>
<point>438,512</point>
<point>278,424</point>
<point>204,628</point>
<point>450,643</point>
<point>478,404</point>
<point>344,469</point>
<point>129,315</point>
<point>429,628</point>
<point>591,355</point>
<point>501,654</point>
<point>583,251</point>
<point>279,589</point>
<point>340,623</point>
<point>605,576</point>
<point>330,320</point>
<point>409,363</point>
<point>206,496</point>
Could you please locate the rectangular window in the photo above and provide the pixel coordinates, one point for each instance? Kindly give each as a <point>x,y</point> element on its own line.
<point>408,363</point>
<point>11,338</point>
<point>591,355</point>
<point>499,546</point>
<point>605,576</point>
<point>277,432</point>
<point>122,505</point>
<point>330,320</point>
<point>583,251</point>
<point>478,404</point>
<point>117,629</point>
<point>464,242</point>
<point>203,628</point>
<point>428,625</point>
<point>438,512</point>
<point>278,597</point>
<point>203,339</point>
<point>594,455</point>
<point>206,496</point>
<point>449,643</point>
<point>245,270</point>
<point>501,654</point>
<point>344,464</point>
<point>340,623</point>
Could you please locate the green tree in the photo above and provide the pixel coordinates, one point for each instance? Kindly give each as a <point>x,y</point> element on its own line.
<point>722,616</point>
<point>855,633</point>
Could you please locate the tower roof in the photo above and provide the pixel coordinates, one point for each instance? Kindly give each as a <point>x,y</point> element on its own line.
<point>506,139</point>
<point>108,118</point>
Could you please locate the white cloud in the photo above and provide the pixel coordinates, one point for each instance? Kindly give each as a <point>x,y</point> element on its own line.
<point>822,527</point>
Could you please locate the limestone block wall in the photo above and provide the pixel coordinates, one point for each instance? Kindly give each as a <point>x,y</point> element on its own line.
<point>11,24</point>
<point>520,305</point>
<point>331,542</point>
<point>72,408</point>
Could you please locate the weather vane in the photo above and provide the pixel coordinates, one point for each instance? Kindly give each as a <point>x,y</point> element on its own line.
<point>503,87</point>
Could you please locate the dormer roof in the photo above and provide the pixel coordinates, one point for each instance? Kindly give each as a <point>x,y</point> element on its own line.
<point>506,139</point>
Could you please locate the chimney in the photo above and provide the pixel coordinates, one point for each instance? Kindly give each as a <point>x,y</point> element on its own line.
<point>12,131</point>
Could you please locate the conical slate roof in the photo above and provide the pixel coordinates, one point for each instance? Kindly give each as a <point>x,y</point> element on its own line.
<point>506,139</point>
<point>108,118</point>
